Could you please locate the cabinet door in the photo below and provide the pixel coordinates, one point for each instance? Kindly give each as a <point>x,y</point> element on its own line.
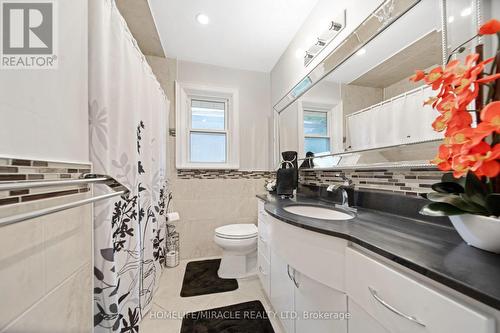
<point>319,308</point>
<point>361,321</point>
<point>404,304</point>
<point>264,274</point>
<point>282,292</point>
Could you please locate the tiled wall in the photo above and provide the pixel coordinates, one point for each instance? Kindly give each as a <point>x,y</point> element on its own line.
<point>207,199</point>
<point>45,262</point>
<point>405,181</point>
<point>224,174</point>
<point>18,169</point>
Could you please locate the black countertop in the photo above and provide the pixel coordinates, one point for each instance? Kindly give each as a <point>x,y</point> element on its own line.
<point>433,250</point>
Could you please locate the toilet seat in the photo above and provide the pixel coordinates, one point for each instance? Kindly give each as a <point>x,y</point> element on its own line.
<point>237,231</point>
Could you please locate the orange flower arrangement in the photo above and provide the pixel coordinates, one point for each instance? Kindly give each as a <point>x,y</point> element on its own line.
<point>466,148</point>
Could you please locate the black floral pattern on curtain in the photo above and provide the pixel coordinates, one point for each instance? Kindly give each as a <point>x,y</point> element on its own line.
<point>127,272</point>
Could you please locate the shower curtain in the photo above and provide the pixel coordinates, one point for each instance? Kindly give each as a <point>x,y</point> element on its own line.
<point>128,119</point>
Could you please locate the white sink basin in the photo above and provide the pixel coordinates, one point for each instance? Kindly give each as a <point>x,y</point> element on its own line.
<point>318,212</point>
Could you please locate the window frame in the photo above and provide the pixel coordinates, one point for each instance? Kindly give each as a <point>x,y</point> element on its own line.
<point>310,107</point>
<point>192,130</point>
<point>185,94</point>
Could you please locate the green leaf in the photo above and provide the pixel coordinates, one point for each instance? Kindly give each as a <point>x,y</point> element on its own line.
<point>475,190</point>
<point>493,203</point>
<point>448,187</point>
<point>440,209</point>
<point>456,201</point>
<point>449,178</point>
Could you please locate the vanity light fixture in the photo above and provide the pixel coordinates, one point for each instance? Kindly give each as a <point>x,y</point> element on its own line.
<point>202,19</point>
<point>466,12</point>
<point>334,27</point>
<point>300,53</point>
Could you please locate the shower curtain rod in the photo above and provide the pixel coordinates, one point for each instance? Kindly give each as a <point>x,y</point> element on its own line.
<point>86,179</point>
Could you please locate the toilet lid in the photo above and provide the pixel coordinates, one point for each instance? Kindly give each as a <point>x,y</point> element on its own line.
<point>237,231</point>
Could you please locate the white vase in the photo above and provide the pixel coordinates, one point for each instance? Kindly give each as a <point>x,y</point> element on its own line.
<point>479,231</point>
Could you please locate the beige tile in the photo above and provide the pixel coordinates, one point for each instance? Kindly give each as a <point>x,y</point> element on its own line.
<point>39,254</point>
<point>39,204</point>
<point>22,278</point>
<point>197,239</point>
<point>68,243</point>
<point>66,309</point>
<point>159,321</point>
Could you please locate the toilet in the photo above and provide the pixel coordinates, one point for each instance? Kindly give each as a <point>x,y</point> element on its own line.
<point>239,250</point>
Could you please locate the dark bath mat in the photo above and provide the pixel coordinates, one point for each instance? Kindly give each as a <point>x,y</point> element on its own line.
<point>249,317</point>
<point>201,278</point>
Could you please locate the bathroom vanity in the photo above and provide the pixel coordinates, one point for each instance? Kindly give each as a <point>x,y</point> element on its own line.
<point>357,115</point>
<point>376,273</point>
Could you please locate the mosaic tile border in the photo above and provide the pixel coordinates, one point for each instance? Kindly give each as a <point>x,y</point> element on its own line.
<point>413,181</point>
<point>223,174</point>
<point>12,169</point>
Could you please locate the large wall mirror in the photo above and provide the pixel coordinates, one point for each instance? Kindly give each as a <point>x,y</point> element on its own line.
<point>358,107</point>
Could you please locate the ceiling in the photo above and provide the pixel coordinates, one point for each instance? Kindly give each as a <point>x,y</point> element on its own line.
<point>242,34</point>
<point>141,24</point>
<point>422,54</point>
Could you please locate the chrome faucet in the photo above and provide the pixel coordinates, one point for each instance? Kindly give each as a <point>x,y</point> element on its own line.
<point>346,189</point>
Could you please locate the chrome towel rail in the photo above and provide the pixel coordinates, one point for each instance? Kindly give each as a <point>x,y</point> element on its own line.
<point>25,184</point>
<point>118,189</point>
<point>46,211</point>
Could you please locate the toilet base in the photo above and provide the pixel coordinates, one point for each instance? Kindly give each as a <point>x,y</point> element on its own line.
<point>238,266</point>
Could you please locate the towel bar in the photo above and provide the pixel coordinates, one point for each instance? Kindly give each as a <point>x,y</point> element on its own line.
<point>85,179</point>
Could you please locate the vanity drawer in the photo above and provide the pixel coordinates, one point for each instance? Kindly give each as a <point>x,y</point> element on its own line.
<point>263,247</point>
<point>382,292</point>
<point>260,205</point>
<point>264,239</point>
<point>361,322</point>
<point>264,269</point>
<point>321,257</point>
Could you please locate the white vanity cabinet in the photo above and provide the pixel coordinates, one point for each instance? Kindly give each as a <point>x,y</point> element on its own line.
<point>305,272</point>
<point>282,292</point>
<point>319,308</point>
<point>400,303</point>
<point>361,322</point>
<point>306,276</point>
<point>303,304</point>
<point>264,250</point>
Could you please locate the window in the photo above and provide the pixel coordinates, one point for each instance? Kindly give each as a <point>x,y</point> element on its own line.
<point>207,127</point>
<point>316,131</point>
<point>208,132</point>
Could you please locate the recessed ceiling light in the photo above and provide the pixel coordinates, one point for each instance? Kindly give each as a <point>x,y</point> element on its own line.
<point>202,19</point>
<point>361,52</point>
<point>466,11</point>
<point>451,19</point>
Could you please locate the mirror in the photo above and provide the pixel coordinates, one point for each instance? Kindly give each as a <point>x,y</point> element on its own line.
<point>365,111</point>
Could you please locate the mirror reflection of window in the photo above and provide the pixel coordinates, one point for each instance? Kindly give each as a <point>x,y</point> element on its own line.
<point>316,131</point>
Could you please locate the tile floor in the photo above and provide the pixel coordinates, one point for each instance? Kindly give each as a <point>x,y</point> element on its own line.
<point>168,303</point>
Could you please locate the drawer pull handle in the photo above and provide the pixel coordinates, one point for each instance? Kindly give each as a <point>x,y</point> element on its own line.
<point>393,309</point>
<point>288,272</point>
<point>295,281</point>
<point>292,277</point>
